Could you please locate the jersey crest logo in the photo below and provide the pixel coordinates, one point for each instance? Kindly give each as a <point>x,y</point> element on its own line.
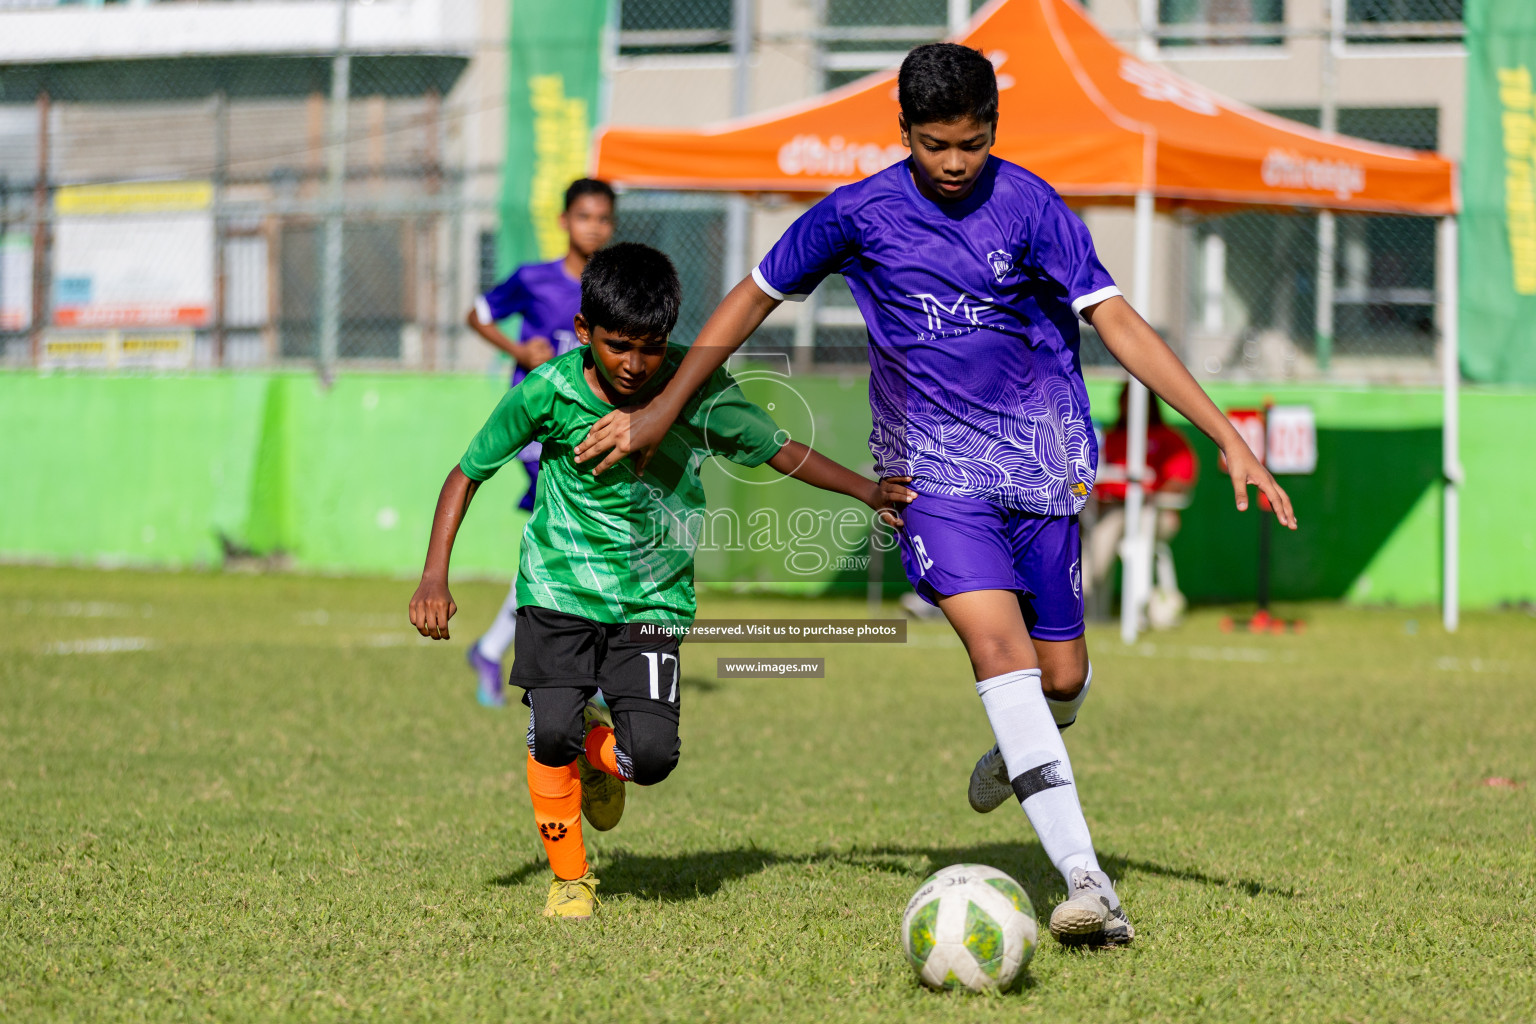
<point>1001,262</point>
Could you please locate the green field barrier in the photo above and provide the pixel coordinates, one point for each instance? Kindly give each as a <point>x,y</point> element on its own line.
<point>184,471</point>
<point>188,471</point>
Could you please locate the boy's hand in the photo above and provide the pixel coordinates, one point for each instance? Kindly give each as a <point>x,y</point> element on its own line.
<point>431,608</point>
<point>889,495</point>
<point>1246,469</point>
<point>633,430</point>
<point>534,352</point>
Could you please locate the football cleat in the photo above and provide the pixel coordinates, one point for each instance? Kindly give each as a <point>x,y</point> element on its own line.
<point>602,795</point>
<point>490,692</point>
<point>572,899</point>
<point>989,788</point>
<point>1091,915</point>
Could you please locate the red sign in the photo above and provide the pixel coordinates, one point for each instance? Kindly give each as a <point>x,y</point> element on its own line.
<point>1250,426</point>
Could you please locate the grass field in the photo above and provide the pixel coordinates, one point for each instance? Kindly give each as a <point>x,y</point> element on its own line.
<point>261,798</point>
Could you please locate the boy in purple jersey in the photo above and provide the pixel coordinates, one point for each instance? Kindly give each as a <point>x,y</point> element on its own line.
<point>971,274</point>
<point>547,296</point>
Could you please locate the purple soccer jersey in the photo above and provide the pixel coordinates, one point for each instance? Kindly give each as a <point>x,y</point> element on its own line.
<point>546,297</point>
<point>972,307</point>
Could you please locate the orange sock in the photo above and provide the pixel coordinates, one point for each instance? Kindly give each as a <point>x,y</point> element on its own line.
<point>556,794</point>
<point>600,744</point>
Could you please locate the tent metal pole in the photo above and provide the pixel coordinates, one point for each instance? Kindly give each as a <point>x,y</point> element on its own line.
<point>1327,229</point>
<point>1135,551</point>
<point>736,213</point>
<point>1450,369</point>
<point>328,343</point>
<point>959,15</point>
<point>1146,29</point>
<point>1327,235</point>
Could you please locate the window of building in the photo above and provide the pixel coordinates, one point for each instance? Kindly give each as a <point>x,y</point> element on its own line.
<point>861,36</point>
<point>1258,271</point>
<point>689,228</point>
<point>374,290</point>
<point>648,27</point>
<point>486,277</point>
<point>1220,22</point>
<point>1403,21</point>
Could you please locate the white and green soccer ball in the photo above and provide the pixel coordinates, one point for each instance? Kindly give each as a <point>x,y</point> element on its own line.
<point>969,926</point>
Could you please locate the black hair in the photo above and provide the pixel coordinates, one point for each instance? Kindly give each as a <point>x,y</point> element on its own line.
<point>588,187</point>
<point>945,82</point>
<point>631,290</point>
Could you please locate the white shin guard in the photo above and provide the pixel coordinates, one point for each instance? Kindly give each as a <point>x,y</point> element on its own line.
<point>1038,767</point>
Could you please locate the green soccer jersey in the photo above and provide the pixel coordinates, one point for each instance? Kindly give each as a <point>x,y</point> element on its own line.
<point>617,547</point>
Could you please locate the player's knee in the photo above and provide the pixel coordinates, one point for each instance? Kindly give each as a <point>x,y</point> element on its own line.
<point>652,756</point>
<point>554,744</point>
<point>1063,682</point>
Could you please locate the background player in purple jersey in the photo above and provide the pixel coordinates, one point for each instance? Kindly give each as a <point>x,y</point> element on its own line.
<point>971,274</point>
<point>547,296</point>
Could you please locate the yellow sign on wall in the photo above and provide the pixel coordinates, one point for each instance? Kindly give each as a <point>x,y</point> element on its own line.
<point>133,255</point>
<point>1515,94</point>
<point>134,197</point>
<point>560,130</point>
<point>113,350</point>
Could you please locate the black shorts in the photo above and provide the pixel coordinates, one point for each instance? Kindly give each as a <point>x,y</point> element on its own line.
<point>553,649</point>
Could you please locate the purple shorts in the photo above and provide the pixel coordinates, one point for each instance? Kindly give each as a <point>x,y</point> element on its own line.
<point>955,545</point>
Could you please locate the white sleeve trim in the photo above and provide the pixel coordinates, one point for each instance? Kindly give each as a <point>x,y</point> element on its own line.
<point>770,290</point>
<point>1082,302</point>
<point>483,310</point>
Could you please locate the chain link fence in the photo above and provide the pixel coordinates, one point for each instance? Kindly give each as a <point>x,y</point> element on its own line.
<point>174,213</point>
<point>1378,22</point>
<point>1220,22</point>
<point>651,27</point>
<point>1251,303</point>
<point>226,263</point>
<point>1208,23</point>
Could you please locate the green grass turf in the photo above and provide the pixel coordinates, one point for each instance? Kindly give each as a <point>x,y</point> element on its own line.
<point>286,807</point>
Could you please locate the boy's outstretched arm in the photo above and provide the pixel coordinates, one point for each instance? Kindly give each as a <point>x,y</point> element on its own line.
<point>640,428</point>
<point>814,468</point>
<point>1132,341</point>
<point>432,605</point>
<point>526,354</point>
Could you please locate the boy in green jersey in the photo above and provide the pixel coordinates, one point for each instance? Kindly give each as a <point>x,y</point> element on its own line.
<point>603,555</point>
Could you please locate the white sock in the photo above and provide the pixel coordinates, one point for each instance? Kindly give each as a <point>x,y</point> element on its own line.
<point>498,638</point>
<point>1038,765</point>
<point>1065,711</point>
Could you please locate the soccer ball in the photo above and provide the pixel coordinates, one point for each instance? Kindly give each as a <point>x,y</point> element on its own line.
<point>969,926</point>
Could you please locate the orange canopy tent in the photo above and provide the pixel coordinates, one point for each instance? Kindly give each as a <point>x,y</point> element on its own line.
<point>1099,124</point>
<point>1076,109</point>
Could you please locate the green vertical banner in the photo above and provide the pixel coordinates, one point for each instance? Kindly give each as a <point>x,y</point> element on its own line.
<point>1498,222</point>
<point>552,96</point>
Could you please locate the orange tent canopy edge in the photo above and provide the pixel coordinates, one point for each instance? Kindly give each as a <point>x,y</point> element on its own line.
<point>1076,109</point>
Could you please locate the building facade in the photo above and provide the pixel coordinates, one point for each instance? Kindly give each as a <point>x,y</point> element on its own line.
<point>368,252</point>
<point>1237,293</point>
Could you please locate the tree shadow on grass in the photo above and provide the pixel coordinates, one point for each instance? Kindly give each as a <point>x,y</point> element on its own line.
<point>688,876</point>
